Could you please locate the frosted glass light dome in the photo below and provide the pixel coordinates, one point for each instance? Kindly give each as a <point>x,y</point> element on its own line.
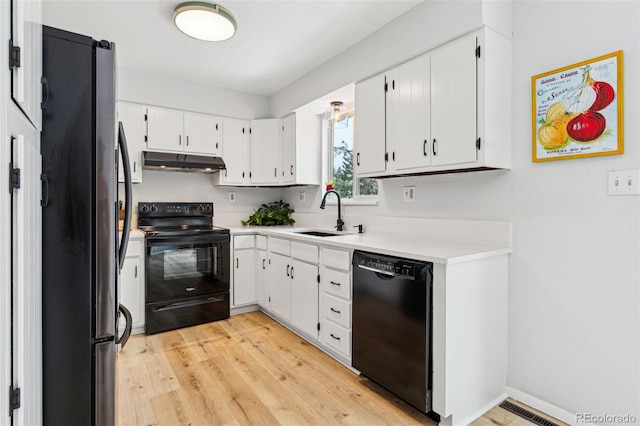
<point>204,21</point>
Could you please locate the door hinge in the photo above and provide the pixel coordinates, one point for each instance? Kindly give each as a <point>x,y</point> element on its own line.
<point>318,277</point>
<point>386,157</point>
<point>478,144</point>
<point>477,51</point>
<point>318,326</point>
<point>14,399</point>
<point>146,118</point>
<point>386,86</point>
<point>14,178</point>
<point>14,56</point>
<point>146,138</point>
<point>269,298</point>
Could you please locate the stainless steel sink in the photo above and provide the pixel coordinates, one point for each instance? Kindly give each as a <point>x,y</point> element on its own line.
<point>320,233</point>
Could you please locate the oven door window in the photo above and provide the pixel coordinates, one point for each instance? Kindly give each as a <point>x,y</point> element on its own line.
<point>185,270</point>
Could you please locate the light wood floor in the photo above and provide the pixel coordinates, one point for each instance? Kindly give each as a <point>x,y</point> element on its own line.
<point>249,370</point>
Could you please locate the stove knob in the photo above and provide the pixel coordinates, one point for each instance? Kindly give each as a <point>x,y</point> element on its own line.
<point>154,208</point>
<point>144,208</point>
<point>208,208</point>
<point>200,208</point>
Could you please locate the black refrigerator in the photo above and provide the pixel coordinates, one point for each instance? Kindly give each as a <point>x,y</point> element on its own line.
<point>82,252</point>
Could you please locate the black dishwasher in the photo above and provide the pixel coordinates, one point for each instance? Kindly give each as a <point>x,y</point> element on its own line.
<point>392,324</point>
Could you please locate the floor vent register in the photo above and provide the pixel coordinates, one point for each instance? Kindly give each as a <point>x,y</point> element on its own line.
<point>526,414</point>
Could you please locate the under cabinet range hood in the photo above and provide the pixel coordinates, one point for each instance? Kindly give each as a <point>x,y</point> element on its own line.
<point>181,162</point>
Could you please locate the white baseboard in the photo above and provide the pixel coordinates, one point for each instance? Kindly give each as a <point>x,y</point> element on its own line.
<point>540,405</point>
<point>243,309</point>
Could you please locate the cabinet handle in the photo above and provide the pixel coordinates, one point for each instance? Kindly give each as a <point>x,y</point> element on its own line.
<point>393,84</point>
<point>335,310</point>
<point>335,283</point>
<point>216,145</point>
<point>358,159</point>
<point>135,274</point>
<point>335,337</point>
<point>292,272</point>
<point>225,173</point>
<point>134,166</point>
<point>179,139</point>
<point>216,129</point>
<point>242,175</point>
<point>237,263</point>
<point>424,148</point>
<point>275,172</point>
<point>291,170</point>
<point>263,267</point>
<point>433,147</point>
<point>393,156</point>
<point>249,174</point>
<point>187,140</point>
<point>288,270</point>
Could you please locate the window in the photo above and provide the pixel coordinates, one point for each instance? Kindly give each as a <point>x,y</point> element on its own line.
<point>341,169</point>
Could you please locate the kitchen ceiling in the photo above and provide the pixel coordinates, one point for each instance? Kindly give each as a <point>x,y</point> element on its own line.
<point>277,42</point>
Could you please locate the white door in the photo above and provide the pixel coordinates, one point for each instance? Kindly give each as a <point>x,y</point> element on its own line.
<point>408,116</point>
<point>132,118</point>
<point>27,36</point>
<point>453,102</point>
<point>304,297</point>
<point>261,278</point>
<point>369,130</point>
<point>265,153</point>
<point>164,130</point>
<point>234,133</point>
<point>200,133</point>
<point>244,277</point>
<point>26,230</point>
<point>288,150</point>
<point>279,279</point>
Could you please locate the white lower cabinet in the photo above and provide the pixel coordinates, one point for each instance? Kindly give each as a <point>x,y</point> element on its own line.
<point>279,279</point>
<point>244,270</point>
<point>261,260</point>
<point>132,294</point>
<point>304,289</point>
<point>335,301</point>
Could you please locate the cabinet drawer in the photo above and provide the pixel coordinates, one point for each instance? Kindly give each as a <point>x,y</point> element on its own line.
<point>278,245</point>
<point>336,282</point>
<point>336,310</point>
<point>336,259</point>
<point>261,242</point>
<point>243,241</point>
<point>336,338</point>
<point>304,252</point>
<point>134,248</point>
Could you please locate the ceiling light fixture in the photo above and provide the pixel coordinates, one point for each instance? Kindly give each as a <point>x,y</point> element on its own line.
<point>336,110</point>
<point>205,21</point>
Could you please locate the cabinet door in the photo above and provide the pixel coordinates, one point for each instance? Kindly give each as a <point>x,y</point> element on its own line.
<point>265,154</point>
<point>304,297</point>
<point>453,102</point>
<point>261,278</point>
<point>369,131</point>
<point>408,115</point>
<point>200,133</point>
<point>132,117</point>
<point>234,135</point>
<point>279,278</point>
<point>132,289</point>
<point>244,277</point>
<point>27,35</point>
<point>288,150</point>
<point>164,130</point>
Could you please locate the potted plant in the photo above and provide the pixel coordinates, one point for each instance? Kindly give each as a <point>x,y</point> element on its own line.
<point>271,214</point>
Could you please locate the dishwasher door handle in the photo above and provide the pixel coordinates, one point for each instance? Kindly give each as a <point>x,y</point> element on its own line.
<point>387,273</point>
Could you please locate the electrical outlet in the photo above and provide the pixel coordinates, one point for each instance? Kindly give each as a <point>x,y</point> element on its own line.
<point>624,182</point>
<point>302,196</point>
<point>232,197</point>
<point>409,193</point>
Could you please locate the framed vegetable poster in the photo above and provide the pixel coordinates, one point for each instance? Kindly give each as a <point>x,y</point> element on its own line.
<point>577,110</point>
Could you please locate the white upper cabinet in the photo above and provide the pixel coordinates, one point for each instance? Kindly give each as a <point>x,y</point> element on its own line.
<point>301,149</point>
<point>408,111</point>
<point>369,130</point>
<point>26,58</point>
<point>177,131</point>
<point>235,134</point>
<point>132,118</point>
<point>445,111</point>
<point>288,167</point>
<point>264,151</point>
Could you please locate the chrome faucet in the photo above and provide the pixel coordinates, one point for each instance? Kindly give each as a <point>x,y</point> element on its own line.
<point>340,223</point>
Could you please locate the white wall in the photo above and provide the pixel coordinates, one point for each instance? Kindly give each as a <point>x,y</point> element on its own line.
<point>158,90</point>
<point>574,299</point>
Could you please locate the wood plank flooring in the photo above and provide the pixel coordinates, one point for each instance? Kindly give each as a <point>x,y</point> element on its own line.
<point>249,370</point>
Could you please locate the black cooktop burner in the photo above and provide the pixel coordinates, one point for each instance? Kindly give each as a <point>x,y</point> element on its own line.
<point>177,219</point>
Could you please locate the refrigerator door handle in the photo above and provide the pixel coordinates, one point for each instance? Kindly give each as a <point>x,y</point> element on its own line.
<point>122,340</point>
<point>122,143</point>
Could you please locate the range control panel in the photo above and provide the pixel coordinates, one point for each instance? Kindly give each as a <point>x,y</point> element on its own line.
<point>146,209</point>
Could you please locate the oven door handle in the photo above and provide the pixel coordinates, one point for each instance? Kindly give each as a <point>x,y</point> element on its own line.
<point>186,241</point>
<point>179,305</point>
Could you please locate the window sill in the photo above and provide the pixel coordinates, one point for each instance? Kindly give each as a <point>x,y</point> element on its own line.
<point>354,202</point>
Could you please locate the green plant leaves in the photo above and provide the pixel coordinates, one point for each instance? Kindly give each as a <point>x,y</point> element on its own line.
<point>271,214</point>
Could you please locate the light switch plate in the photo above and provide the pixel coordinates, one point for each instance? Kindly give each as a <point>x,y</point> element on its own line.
<point>409,193</point>
<point>302,196</point>
<point>232,197</point>
<point>626,182</point>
